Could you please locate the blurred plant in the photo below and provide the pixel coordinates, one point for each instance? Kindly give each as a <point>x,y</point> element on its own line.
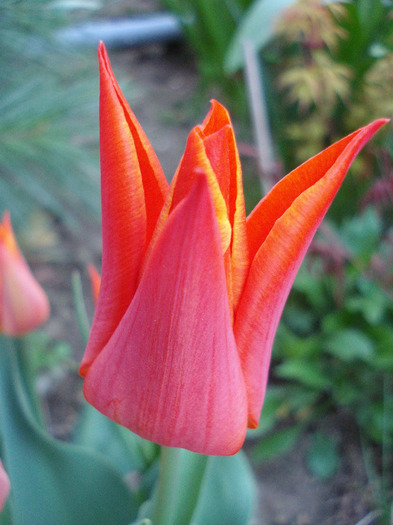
<point>23,303</point>
<point>334,346</point>
<point>209,26</point>
<point>213,29</point>
<point>45,95</point>
<point>332,66</point>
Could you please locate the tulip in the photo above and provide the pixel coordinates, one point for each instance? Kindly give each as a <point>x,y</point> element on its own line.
<point>24,305</point>
<point>95,281</point>
<point>192,290</point>
<point>4,486</point>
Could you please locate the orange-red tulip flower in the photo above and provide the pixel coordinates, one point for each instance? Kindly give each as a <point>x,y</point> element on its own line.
<point>24,305</point>
<point>192,291</point>
<point>4,486</point>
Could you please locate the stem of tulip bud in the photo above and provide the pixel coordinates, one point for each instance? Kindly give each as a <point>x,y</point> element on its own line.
<point>23,357</point>
<point>180,479</point>
<point>80,307</point>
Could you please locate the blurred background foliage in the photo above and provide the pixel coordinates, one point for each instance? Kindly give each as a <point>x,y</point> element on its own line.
<point>48,106</point>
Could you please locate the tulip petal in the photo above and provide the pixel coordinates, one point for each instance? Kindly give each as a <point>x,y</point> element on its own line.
<point>24,306</point>
<point>193,165</point>
<point>95,281</point>
<point>281,196</point>
<point>220,144</point>
<point>133,189</point>
<point>4,486</point>
<point>171,372</point>
<point>277,260</point>
<point>211,149</point>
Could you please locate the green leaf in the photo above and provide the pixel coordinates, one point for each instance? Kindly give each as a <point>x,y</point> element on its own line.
<point>52,481</point>
<point>350,344</point>
<point>309,283</point>
<point>80,306</point>
<point>323,456</point>
<point>362,234</point>
<point>372,306</point>
<point>300,320</point>
<point>257,27</point>
<point>277,443</point>
<point>127,451</point>
<point>181,474</point>
<point>228,494</point>
<point>202,490</point>
<point>307,373</point>
<point>274,403</point>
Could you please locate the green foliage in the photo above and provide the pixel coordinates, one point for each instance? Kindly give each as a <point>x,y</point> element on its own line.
<point>53,482</point>
<point>277,443</point>
<point>46,354</point>
<point>257,27</point>
<point>209,26</point>
<point>47,106</point>
<point>332,70</point>
<point>208,490</point>
<point>323,455</point>
<point>333,350</point>
<point>227,479</point>
<point>344,351</point>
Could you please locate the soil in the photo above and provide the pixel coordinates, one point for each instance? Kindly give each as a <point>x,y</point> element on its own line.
<point>165,83</point>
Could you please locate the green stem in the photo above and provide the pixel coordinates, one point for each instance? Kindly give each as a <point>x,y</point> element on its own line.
<point>180,479</point>
<point>166,492</point>
<point>80,308</point>
<point>22,355</point>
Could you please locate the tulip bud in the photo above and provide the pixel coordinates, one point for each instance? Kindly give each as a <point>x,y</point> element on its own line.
<point>23,304</point>
<point>95,280</point>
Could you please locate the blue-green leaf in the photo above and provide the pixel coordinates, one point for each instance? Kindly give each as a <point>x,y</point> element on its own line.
<point>228,493</point>
<point>350,344</point>
<point>53,482</point>
<point>127,451</point>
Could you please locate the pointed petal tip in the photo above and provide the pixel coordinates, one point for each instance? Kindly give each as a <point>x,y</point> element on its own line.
<point>252,422</point>
<point>83,370</point>
<point>383,120</point>
<point>7,236</point>
<point>376,124</point>
<point>101,52</point>
<point>101,49</point>
<point>215,104</point>
<point>370,129</point>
